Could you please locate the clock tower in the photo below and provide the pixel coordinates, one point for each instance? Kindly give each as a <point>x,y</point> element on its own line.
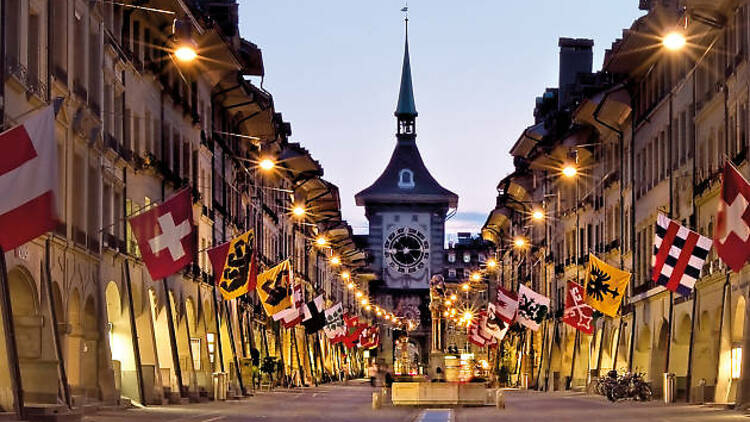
<point>406,209</point>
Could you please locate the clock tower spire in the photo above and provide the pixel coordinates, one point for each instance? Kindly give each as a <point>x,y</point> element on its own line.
<point>406,109</point>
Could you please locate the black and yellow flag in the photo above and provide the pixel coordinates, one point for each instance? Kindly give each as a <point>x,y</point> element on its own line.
<point>275,288</point>
<point>235,266</point>
<point>605,286</point>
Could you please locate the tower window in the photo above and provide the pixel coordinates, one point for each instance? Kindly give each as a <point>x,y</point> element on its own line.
<point>406,179</point>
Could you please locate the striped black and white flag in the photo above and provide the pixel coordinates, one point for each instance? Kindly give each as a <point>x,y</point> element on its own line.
<point>679,254</point>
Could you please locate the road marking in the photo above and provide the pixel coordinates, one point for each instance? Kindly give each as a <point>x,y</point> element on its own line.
<point>213,419</point>
<point>435,415</point>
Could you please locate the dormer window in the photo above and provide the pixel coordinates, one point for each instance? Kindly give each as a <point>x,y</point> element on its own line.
<point>406,179</point>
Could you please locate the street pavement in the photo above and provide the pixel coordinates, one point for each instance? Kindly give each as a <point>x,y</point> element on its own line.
<point>352,402</point>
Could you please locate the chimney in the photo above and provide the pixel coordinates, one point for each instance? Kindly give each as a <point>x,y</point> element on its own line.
<point>576,57</point>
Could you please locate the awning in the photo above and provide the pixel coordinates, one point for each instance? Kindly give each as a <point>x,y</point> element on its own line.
<point>528,140</point>
<point>611,107</point>
<point>299,163</point>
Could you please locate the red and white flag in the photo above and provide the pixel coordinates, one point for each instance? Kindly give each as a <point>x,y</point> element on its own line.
<point>578,314</point>
<point>165,235</point>
<point>293,315</point>
<point>478,332</point>
<point>679,254</point>
<point>506,305</point>
<point>732,237</point>
<point>28,179</point>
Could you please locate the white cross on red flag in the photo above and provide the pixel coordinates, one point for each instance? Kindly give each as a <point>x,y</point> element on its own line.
<point>732,237</point>
<point>28,179</point>
<point>165,235</point>
<point>578,314</point>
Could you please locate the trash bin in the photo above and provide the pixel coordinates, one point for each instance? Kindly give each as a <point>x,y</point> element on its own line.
<point>220,385</point>
<point>700,392</point>
<point>669,387</point>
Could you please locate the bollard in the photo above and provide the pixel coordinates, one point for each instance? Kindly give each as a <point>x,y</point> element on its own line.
<point>377,401</point>
<point>669,387</point>
<point>499,399</point>
<point>701,392</point>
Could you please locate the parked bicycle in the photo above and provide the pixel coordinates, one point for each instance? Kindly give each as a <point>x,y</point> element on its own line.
<point>628,386</point>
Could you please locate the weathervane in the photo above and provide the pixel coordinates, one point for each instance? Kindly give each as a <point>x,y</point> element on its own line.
<point>405,9</point>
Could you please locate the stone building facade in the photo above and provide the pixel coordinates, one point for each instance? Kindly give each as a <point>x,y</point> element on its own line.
<point>648,133</point>
<point>136,125</point>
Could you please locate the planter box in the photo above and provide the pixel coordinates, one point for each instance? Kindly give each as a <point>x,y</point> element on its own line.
<point>438,393</point>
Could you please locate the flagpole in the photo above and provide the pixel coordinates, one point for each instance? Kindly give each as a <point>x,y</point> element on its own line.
<point>217,317</point>
<point>549,359</point>
<point>573,360</point>
<point>63,376</point>
<point>313,365</point>
<point>11,347</point>
<point>234,348</point>
<point>134,333</point>
<point>669,331</point>
<point>541,359</point>
<point>293,333</point>
<point>632,340</point>
<point>172,336</point>
<point>691,345</point>
<point>601,346</point>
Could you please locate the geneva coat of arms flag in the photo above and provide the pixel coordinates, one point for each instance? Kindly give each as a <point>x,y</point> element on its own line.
<point>605,286</point>
<point>274,288</point>
<point>166,235</point>
<point>679,254</point>
<point>235,266</point>
<point>732,237</point>
<point>532,307</point>
<point>28,179</point>
<point>578,314</point>
<point>506,305</point>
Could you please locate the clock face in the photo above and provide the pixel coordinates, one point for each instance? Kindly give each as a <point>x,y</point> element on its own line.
<point>406,250</point>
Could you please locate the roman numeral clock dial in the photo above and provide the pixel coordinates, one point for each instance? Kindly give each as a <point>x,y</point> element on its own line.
<point>406,250</point>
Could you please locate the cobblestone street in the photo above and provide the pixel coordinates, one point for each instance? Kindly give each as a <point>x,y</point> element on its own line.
<point>352,403</point>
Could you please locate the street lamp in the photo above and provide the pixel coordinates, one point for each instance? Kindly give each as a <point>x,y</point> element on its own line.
<point>475,276</point>
<point>298,211</point>
<point>358,294</point>
<point>350,286</point>
<point>537,215</point>
<point>519,242</point>
<point>266,164</point>
<point>185,46</point>
<point>346,275</point>
<point>185,53</point>
<point>364,301</point>
<point>569,171</point>
<point>491,263</point>
<point>674,41</point>
<point>321,240</point>
<point>465,287</point>
<point>335,260</point>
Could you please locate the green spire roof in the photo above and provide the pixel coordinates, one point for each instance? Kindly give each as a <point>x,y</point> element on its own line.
<point>406,105</point>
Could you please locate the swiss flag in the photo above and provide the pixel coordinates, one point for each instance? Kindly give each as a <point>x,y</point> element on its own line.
<point>165,235</point>
<point>732,237</point>
<point>28,179</point>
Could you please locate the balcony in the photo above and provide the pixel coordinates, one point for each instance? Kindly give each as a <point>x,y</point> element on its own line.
<point>30,80</point>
